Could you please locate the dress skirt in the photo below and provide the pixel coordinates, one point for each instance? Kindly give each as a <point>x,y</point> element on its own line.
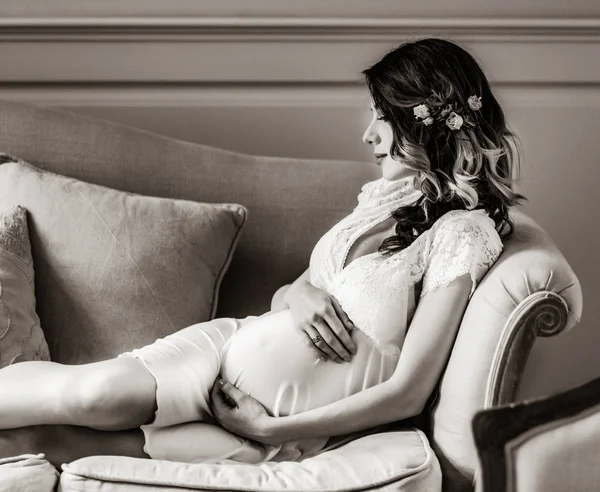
<point>185,366</point>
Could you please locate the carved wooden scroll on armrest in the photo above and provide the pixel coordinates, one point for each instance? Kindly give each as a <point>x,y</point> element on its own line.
<point>541,314</point>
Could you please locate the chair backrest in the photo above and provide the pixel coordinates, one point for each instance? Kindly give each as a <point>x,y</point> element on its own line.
<point>518,296</point>
<point>548,444</point>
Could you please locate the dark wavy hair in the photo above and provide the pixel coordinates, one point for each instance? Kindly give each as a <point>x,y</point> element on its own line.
<point>473,167</point>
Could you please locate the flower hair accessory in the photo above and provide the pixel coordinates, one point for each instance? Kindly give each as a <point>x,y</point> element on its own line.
<point>435,109</point>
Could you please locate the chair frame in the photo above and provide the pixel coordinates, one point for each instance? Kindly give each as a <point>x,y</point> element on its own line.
<point>493,429</point>
<point>541,314</point>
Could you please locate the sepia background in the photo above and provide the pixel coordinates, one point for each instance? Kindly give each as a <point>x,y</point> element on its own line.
<point>282,78</point>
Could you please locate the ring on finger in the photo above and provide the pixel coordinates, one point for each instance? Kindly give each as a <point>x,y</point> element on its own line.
<point>316,339</point>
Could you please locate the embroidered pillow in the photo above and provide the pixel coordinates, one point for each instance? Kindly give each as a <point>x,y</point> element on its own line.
<point>116,270</point>
<point>21,337</point>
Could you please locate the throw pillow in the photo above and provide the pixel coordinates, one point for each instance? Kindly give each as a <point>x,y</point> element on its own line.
<point>117,270</point>
<point>21,337</point>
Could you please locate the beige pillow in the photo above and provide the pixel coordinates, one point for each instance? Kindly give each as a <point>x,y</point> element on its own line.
<point>21,337</point>
<point>116,270</point>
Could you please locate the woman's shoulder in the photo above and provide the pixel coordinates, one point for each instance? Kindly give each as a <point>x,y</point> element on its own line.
<point>462,241</point>
<point>462,218</point>
<point>474,225</point>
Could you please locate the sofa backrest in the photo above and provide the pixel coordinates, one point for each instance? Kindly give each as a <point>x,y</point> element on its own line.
<point>291,203</point>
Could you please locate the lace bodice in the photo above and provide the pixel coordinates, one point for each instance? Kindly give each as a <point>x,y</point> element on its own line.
<point>378,292</point>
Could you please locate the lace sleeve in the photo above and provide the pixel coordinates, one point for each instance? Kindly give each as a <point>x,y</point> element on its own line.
<point>463,244</point>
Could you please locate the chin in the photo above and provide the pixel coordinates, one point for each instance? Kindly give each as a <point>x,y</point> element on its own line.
<point>394,176</point>
<point>393,173</point>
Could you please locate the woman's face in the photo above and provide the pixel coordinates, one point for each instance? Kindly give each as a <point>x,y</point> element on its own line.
<point>379,135</point>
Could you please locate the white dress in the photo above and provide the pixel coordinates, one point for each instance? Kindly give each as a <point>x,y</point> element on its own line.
<point>268,358</point>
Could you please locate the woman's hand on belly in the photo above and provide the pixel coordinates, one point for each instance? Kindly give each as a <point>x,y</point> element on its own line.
<point>239,413</point>
<point>320,316</point>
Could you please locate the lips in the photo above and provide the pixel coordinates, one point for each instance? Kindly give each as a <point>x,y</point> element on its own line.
<point>380,157</point>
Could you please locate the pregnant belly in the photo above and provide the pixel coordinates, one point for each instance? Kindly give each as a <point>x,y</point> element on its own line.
<point>269,360</point>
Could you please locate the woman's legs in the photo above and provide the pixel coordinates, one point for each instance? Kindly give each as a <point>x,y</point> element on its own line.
<point>46,407</point>
<point>116,394</point>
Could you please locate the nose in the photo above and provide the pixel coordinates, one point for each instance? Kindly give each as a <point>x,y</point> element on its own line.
<point>371,137</point>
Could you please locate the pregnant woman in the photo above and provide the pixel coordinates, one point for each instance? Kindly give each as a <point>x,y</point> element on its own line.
<point>357,341</point>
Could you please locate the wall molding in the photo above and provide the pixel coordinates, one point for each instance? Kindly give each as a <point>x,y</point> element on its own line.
<point>282,50</point>
<point>33,29</point>
<point>270,96</point>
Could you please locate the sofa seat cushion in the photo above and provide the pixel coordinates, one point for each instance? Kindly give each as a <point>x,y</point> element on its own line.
<point>399,460</point>
<point>27,473</point>
<point>114,270</point>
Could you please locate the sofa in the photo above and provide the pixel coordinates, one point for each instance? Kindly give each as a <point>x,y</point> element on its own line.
<point>530,292</point>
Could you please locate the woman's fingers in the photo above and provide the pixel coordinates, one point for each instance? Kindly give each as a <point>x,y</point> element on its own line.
<point>330,338</point>
<point>232,392</point>
<point>342,314</point>
<point>317,341</point>
<point>341,332</point>
<point>220,399</point>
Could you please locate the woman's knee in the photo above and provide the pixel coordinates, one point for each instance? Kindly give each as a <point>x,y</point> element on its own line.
<point>116,394</point>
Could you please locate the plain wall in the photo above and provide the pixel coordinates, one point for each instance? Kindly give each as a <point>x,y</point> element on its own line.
<point>283,79</point>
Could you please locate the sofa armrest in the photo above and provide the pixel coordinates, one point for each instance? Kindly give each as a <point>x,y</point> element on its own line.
<point>531,290</point>
<point>542,314</point>
<point>547,444</point>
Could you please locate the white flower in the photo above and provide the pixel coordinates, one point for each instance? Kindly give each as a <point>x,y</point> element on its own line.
<point>428,121</point>
<point>454,121</point>
<point>475,102</point>
<point>421,111</point>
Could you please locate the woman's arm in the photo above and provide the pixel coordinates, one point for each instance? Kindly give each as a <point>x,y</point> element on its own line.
<point>278,302</point>
<point>424,354</point>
